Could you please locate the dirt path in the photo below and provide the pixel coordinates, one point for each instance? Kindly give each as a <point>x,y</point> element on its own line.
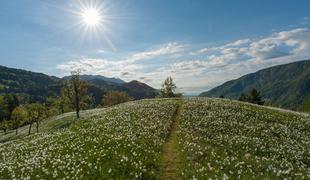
<point>170,152</point>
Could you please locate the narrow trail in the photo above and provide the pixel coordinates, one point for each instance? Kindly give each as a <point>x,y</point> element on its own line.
<point>170,158</point>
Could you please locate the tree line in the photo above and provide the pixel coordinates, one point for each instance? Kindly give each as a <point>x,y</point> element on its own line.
<point>73,97</point>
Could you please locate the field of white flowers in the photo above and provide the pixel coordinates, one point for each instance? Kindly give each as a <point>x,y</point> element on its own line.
<point>123,142</point>
<point>227,139</point>
<point>215,138</point>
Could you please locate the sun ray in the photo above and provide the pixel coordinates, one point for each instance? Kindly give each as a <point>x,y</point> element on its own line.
<point>91,19</point>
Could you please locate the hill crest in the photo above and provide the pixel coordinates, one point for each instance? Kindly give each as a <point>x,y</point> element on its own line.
<point>283,85</point>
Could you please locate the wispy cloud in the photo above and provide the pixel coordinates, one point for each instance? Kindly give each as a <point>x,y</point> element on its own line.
<point>235,59</point>
<point>119,67</point>
<point>203,68</point>
<point>169,48</point>
<point>237,43</point>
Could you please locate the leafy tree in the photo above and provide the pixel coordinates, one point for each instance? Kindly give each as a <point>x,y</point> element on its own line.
<point>75,89</point>
<point>8,102</point>
<point>222,96</point>
<point>4,125</point>
<point>87,102</point>
<point>252,97</point>
<point>36,112</point>
<point>255,97</point>
<point>61,103</point>
<point>42,114</point>
<point>115,97</point>
<point>19,115</point>
<point>243,97</point>
<point>168,89</point>
<point>11,102</point>
<point>306,104</point>
<point>4,112</point>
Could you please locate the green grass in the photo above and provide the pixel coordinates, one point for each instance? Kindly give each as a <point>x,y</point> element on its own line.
<point>212,138</point>
<point>222,138</point>
<point>123,142</point>
<point>48,125</point>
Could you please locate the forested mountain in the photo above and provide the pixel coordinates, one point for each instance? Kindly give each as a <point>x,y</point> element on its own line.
<point>284,85</point>
<point>29,85</point>
<point>32,86</point>
<point>99,77</point>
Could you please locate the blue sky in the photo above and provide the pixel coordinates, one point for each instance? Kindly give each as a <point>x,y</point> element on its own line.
<point>201,44</point>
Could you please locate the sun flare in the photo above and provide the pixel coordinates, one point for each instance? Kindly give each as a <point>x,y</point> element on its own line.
<point>94,21</point>
<point>91,17</point>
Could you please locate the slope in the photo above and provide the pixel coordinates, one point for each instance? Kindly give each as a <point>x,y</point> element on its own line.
<point>284,85</point>
<point>27,83</point>
<point>120,142</point>
<point>209,138</point>
<point>32,86</point>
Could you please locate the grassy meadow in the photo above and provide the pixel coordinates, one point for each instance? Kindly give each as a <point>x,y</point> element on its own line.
<point>195,138</point>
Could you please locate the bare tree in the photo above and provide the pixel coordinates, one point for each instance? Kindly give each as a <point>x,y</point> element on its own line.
<point>76,89</point>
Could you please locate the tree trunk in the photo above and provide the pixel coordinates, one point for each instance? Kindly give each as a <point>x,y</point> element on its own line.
<point>62,108</point>
<point>77,103</point>
<point>78,113</point>
<point>30,125</point>
<point>16,132</point>
<point>37,127</point>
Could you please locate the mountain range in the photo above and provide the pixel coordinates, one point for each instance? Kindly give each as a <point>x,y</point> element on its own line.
<point>284,85</point>
<point>33,86</point>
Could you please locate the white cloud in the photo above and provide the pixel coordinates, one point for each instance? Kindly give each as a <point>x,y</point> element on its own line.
<point>101,51</point>
<point>241,57</point>
<point>237,43</point>
<point>169,48</point>
<point>117,68</point>
<point>207,67</point>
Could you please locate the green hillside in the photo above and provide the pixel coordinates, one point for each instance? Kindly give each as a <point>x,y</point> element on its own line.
<point>36,86</point>
<point>166,139</point>
<point>285,85</point>
<point>32,86</point>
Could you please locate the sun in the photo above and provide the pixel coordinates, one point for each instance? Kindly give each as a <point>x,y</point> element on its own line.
<point>91,17</point>
<point>94,21</point>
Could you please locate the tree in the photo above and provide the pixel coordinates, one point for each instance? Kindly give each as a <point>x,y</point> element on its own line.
<point>115,97</point>
<point>8,102</point>
<point>255,97</point>
<point>19,115</point>
<point>42,114</point>
<point>36,112</point>
<point>243,97</point>
<point>306,104</point>
<point>4,125</point>
<point>87,102</point>
<point>11,103</point>
<point>4,112</point>
<point>252,97</point>
<point>75,89</point>
<point>168,89</point>
<point>61,104</point>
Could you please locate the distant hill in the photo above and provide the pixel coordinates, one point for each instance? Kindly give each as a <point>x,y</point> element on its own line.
<point>138,90</point>
<point>284,85</point>
<point>28,84</point>
<point>135,89</point>
<point>32,86</point>
<point>99,77</point>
